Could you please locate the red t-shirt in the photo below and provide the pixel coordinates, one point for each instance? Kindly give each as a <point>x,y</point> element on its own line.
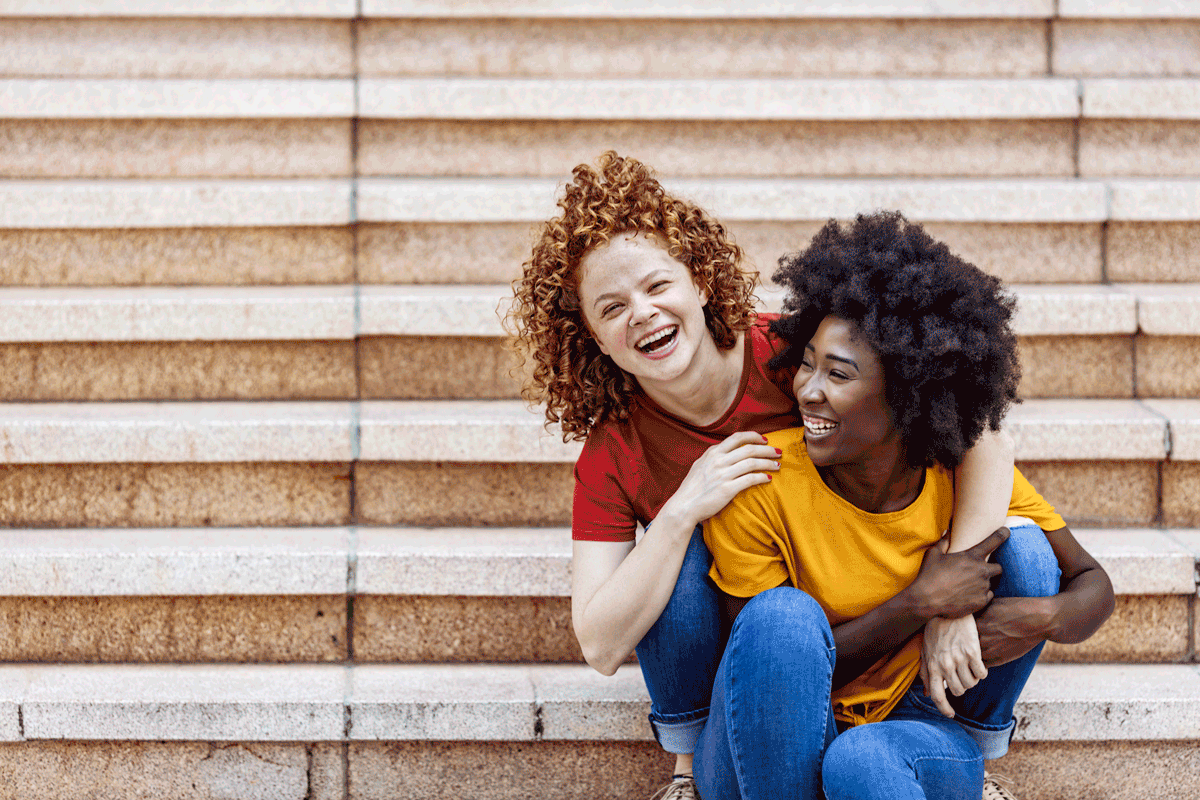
<point>628,469</point>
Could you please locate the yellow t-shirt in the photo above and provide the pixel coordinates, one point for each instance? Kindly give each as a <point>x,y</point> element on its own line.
<point>796,529</point>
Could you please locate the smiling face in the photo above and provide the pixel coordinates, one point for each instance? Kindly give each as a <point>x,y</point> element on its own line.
<point>642,307</point>
<point>840,390</point>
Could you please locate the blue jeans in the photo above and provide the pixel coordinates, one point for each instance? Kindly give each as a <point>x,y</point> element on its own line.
<point>770,726</point>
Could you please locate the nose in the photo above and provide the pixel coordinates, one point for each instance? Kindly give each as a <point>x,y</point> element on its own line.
<point>641,310</point>
<point>812,391</point>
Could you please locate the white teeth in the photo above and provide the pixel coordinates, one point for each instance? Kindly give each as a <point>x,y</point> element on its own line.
<point>654,337</point>
<point>818,427</point>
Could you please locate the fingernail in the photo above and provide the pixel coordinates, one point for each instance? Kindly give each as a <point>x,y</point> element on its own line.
<point>768,476</point>
<point>778,451</point>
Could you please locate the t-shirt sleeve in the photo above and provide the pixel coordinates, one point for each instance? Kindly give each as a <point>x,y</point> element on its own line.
<point>746,555</point>
<point>1026,502</point>
<point>600,510</point>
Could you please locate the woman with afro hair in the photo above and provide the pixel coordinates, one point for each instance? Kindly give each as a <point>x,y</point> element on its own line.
<point>902,357</point>
<point>636,322</point>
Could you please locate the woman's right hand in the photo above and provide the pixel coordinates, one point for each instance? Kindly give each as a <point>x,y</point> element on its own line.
<point>744,459</point>
<point>956,584</point>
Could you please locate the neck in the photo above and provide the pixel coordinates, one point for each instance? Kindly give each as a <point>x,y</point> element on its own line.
<point>703,394</point>
<point>877,484</point>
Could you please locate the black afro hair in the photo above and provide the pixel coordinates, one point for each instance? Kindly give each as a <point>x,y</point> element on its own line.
<point>939,325</point>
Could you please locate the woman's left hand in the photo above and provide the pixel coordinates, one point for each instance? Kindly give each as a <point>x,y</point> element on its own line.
<point>1012,626</point>
<point>950,658</point>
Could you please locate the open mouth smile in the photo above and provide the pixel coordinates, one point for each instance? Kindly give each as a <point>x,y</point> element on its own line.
<point>658,341</point>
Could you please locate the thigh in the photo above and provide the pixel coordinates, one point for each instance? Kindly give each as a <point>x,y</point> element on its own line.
<point>680,652</point>
<point>903,758</point>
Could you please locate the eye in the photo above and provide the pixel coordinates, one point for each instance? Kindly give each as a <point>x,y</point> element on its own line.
<point>608,310</point>
<point>657,285</point>
<point>804,365</point>
<point>837,373</point>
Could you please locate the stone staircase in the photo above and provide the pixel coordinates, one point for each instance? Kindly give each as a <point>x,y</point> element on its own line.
<point>276,525</point>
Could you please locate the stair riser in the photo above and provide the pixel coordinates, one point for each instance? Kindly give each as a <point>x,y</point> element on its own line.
<point>176,256</point>
<point>251,148</point>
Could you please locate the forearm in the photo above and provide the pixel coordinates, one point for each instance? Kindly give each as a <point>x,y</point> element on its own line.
<point>983,490</point>
<point>611,622</point>
<point>1081,608</point>
<point>864,640</point>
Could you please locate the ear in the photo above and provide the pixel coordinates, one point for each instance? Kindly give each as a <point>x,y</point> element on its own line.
<point>702,293</point>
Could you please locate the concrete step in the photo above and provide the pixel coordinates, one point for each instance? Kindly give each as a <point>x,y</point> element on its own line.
<point>190,343</point>
<point>320,731</point>
<point>189,595</point>
<point>1038,231</point>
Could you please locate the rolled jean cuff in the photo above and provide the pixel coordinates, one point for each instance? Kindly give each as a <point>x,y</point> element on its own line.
<point>993,742</point>
<point>680,735</point>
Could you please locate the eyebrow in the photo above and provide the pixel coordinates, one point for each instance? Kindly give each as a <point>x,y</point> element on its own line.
<point>832,357</point>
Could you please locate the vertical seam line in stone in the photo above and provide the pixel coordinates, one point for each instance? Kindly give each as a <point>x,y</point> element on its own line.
<point>308,780</point>
<point>1050,41</point>
<point>21,720</point>
<point>539,725</point>
<point>351,587</point>
<point>1077,130</point>
<point>1159,513</point>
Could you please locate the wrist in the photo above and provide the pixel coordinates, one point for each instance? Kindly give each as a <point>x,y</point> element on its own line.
<point>915,605</point>
<point>1050,613</point>
<point>673,524</point>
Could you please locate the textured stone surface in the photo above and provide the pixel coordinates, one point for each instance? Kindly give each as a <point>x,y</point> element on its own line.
<point>1141,98</point>
<point>1150,147</point>
<point>1168,366</point>
<point>159,48</point>
<point>491,253</point>
<point>220,256</point>
<point>1077,366</point>
<point>59,98</point>
<point>507,770</point>
<point>468,703</point>
<point>439,200</point>
<point>734,149</point>
<point>1142,629</point>
<point>459,430</point>
<point>720,98</point>
<point>177,314</point>
<point>434,367</point>
<point>1090,702</point>
<point>140,148</point>
<point>192,702</point>
<point>173,204</point>
<point>1181,493</point>
<point>145,770</point>
<point>528,562</point>
<point>702,48</point>
<point>164,8</point>
<point>1167,310</point>
<point>457,629</point>
<point>1154,200</point>
<point>1143,561</point>
<point>581,704</point>
<point>172,629</point>
<point>716,9</point>
<point>1092,429</point>
<point>74,433</point>
<point>433,310</point>
<point>143,495</point>
<point>1126,47</point>
<point>1138,9</point>
<point>1183,418</point>
<point>1100,492</point>
<point>1075,310</point>
<point>1112,770</point>
<point>327,772</point>
<point>164,562</point>
<point>78,371</point>
<point>414,493</point>
<point>432,253</point>
<point>1153,251</point>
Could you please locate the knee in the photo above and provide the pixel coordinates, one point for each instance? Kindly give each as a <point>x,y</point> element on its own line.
<point>786,616</point>
<point>1029,563</point>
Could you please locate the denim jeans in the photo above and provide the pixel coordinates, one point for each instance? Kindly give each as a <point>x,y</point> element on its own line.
<point>766,726</point>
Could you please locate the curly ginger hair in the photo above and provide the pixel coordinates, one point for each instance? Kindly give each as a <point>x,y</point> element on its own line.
<point>579,385</point>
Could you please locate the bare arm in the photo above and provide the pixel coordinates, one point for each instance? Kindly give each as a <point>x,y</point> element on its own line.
<point>618,590</point>
<point>1012,626</point>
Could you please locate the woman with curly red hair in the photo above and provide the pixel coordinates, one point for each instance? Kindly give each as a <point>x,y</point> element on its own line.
<point>638,318</point>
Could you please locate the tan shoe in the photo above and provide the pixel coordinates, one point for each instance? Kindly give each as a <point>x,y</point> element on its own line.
<point>681,787</point>
<point>995,787</point>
